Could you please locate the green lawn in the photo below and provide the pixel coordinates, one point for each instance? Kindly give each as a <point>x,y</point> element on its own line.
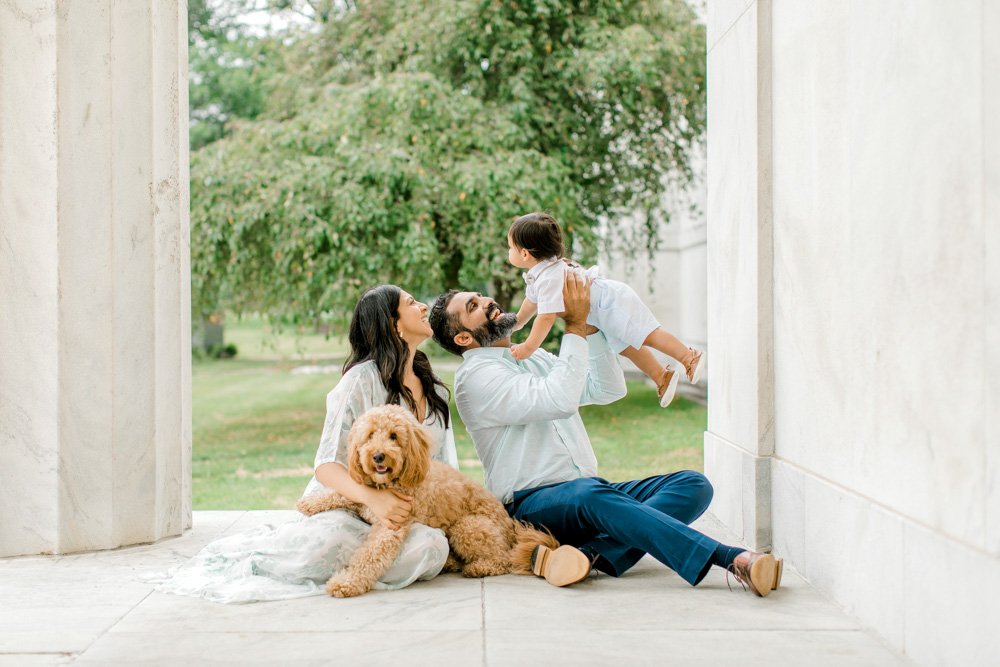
<point>255,338</point>
<point>257,426</point>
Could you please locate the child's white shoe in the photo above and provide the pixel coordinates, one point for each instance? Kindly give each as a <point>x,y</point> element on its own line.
<point>694,363</point>
<point>666,388</point>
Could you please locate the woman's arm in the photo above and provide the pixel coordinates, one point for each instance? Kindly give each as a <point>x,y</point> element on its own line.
<point>354,395</point>
<point>390,506</point>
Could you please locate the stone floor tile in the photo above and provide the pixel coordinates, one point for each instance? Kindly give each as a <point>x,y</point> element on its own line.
<point>67,583</point>
<point>714,528</point>
<point>95,607</point>
<point>666,601</point>
<point>48,640</point>
<point>380,645</point>
<point>61,606</point>
<point>580,648</point>
<point>35,659</point>
<point>449,601</point>
<point>54,628</point>
<point>146,559</point>
<point>207,526</point>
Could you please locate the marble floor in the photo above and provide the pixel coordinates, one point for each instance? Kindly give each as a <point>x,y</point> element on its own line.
<point>93,609</point>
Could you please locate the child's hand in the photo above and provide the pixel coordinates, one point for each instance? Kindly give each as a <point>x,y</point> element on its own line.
<point>522,351</point>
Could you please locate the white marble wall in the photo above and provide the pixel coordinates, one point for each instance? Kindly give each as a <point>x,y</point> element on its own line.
<point>739,442</point>
<point>95,436</point>
<point>673,281</point>
<point>991,264</point>
<point>884,485</point>
<point>879,265</point>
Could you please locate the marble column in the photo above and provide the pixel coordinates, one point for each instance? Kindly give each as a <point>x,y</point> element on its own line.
<point>95,404</point>
<point>739,441</point>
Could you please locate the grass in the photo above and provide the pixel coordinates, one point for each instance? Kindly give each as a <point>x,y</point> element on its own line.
<point>257,426</point>
<point>256,338</point>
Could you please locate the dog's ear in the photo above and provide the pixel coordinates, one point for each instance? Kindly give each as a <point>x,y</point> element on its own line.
<point>356,439</point>
<point>416,455</point>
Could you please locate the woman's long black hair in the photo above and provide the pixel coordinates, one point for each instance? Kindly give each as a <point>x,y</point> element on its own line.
<point>373,336</point>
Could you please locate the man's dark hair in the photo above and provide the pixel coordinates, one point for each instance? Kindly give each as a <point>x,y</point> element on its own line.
<point>539,234</point>
<point>445,325</point>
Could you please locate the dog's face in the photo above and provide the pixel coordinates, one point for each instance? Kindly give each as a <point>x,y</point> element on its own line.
<point>388,448</point>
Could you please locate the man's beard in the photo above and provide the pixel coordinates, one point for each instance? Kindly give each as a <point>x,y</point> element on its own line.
<point>494,330</point>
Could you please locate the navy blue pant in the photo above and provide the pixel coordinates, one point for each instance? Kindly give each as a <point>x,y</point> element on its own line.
<point>616,523</point>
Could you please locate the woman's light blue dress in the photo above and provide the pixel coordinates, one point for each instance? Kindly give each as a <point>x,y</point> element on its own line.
<point>295,559</point>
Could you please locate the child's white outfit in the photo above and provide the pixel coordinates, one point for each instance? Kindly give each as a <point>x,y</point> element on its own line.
<point>615,308</point>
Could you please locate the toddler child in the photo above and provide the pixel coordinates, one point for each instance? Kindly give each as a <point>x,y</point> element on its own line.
<point>535,244</point>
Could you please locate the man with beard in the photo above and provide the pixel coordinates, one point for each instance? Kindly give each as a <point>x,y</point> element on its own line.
<point>524,420</point>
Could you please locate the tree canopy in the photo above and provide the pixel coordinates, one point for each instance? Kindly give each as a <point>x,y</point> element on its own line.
<point>398,141</point>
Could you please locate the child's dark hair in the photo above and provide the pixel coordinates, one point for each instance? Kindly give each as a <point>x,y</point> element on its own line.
<point>539,234</point>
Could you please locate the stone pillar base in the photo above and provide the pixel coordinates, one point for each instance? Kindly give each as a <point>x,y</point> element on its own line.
<point>742,484</point>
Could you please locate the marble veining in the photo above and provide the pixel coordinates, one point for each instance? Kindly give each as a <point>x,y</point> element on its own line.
<point>92,288</point>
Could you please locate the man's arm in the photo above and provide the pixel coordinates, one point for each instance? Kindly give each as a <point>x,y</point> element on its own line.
<point>490,394</point>
<point>605,377</point>
<point>605,381</point>
<point>576,298</point>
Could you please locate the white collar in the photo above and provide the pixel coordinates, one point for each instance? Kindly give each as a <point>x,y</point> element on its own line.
<point>532,274</point>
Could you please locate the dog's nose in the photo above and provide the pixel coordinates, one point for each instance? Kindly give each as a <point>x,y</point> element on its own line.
<point>378,458</point>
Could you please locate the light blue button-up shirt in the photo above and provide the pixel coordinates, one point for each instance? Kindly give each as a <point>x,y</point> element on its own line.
<point>524,416</point>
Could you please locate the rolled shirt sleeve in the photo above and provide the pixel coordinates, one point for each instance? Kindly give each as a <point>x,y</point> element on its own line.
<point>519,397</point>
<point>524,416</point>
<point>605,377</point>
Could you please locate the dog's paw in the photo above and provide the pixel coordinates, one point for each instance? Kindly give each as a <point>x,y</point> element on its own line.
<point>453,564</point>
<point>310,506</point>
<point>344,588</point>
<point>486,568</point>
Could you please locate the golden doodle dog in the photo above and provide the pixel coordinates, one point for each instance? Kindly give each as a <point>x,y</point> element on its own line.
<point>389,450</point>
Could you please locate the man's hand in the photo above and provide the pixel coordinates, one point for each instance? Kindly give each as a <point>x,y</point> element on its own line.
<point>576,299</point>
<point>392,507</point>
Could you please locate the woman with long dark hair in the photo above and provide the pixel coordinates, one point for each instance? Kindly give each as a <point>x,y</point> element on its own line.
<point>295,559</point>
<point>385,366</point>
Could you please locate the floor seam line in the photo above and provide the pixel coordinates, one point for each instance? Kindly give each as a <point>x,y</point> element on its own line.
<point>110,627</point>
<point>482,616</point>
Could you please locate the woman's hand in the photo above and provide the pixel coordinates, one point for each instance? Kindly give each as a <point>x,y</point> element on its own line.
<point>392,507</point>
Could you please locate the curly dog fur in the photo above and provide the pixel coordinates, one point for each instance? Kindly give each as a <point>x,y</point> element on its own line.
<point>389,450</point>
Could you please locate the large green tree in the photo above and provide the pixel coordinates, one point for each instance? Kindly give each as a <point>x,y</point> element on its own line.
<point>229,65</point>
<point>397,143</point>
